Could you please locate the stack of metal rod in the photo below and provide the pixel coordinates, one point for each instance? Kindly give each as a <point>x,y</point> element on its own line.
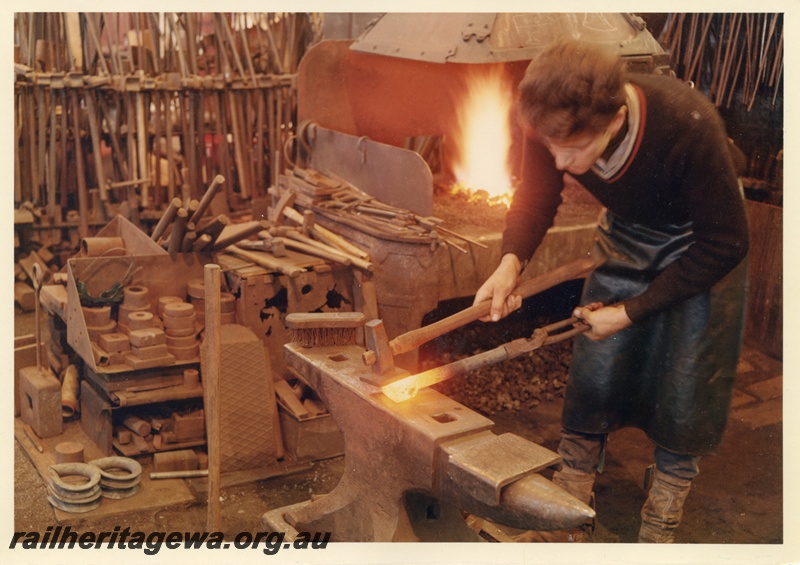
<point>728,54</point>
<point>123,112</point>
<point>335,198</point>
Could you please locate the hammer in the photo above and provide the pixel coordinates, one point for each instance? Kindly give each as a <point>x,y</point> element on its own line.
<point>381,352</point>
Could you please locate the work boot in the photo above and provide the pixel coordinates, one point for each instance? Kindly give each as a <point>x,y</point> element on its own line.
<point>662,511</point>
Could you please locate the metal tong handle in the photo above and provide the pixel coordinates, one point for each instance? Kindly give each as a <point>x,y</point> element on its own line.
<point>578,326</point>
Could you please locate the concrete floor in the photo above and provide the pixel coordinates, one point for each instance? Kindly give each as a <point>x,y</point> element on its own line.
<point>738,497</point>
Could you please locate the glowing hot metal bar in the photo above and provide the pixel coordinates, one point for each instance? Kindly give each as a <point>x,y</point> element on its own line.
<point>408,387</point>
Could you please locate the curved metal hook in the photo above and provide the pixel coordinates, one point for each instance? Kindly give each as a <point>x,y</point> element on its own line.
<point>361,147</point>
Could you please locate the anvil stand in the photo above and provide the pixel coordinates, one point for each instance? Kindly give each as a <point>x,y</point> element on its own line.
<point>413,468</point>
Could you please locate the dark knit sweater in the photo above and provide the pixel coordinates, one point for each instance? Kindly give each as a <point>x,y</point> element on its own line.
<point>681,171</point>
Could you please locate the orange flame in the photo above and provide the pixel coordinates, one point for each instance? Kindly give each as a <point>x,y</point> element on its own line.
<point>483,135</point>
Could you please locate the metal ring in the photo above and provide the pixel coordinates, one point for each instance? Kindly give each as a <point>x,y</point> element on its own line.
<point>37,276</point>
<point>87,470</point>
<point>74,508</point>
<point>75,497</point>
<point>119,494</point>
<point>126,463</point>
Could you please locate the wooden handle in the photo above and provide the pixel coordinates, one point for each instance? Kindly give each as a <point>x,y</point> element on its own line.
<point>413,339</point>
<point>205,202</point>
<point>178,231</point>
<point>267,261</point>
<point>235,234</point>
<point>166,218</point>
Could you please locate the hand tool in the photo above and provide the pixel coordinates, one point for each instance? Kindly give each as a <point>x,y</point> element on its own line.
<point>327,235</point>
<point>32,437</point>
<point>274,245</point>
<point>190,142</point>
<point>166,218</point>
<point>83,199</point>
<point>178,231</point>
<point>94,132</point>
<point>267,261</point>
<point>324,329</point>
<point>51,160</point>
<point>406,388</point>
<point>167,95</point>
<point>295,240</point>
<point>141,138</point>
<point>29,122</point>
<point>208,196</point>
<point>413,339</point>
<point>235,234</point>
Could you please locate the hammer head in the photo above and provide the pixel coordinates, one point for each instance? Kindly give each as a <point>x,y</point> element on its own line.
<point>377,341</point>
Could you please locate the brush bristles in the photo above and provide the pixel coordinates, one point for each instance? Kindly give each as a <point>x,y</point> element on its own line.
<point>324,329</point>
<point>324,337</point>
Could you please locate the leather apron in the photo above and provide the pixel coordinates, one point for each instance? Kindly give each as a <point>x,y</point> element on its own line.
<point>671,374</point>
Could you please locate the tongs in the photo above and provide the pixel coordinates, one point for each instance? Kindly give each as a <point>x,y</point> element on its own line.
<point>408,387</point>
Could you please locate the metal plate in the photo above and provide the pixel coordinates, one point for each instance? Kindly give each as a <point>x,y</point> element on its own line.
<point>391,174</point>
<point>497,37</point>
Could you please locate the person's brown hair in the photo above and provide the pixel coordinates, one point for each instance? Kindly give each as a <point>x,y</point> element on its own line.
<point>572,87</point>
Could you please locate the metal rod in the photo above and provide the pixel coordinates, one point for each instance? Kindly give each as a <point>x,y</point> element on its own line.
<point>192,474</point>
<point>37,287</point>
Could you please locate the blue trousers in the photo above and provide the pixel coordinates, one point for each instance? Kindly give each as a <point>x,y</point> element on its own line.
<point>586,452</point>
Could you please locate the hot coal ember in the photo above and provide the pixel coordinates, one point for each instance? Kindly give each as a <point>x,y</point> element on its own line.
<point>467,209</point>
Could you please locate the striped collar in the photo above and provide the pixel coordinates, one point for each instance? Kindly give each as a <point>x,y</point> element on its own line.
<point>612,168</point>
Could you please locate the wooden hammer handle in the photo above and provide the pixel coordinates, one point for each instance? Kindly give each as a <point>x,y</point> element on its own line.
<point>413,339</point>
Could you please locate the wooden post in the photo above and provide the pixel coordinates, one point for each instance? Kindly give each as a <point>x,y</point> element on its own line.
<point>211,370</point>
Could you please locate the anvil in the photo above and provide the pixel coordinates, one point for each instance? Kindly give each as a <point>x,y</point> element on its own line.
<point>414,469</point>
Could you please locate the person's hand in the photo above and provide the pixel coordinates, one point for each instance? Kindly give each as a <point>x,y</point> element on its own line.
<point>498,288</point>
<point>603,321</point>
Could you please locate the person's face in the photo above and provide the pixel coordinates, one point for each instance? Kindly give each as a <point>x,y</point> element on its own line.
<point>578,153</point>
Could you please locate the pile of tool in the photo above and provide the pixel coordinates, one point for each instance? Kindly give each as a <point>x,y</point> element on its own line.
<point>290,224</point>
<point>335,198</point>
<point>120,113</point>
<point>185,227</point>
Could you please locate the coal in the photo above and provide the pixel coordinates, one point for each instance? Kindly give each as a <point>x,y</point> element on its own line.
<point>517,384</point>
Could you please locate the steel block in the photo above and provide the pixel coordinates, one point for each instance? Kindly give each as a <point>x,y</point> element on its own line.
<point>40,401</point>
